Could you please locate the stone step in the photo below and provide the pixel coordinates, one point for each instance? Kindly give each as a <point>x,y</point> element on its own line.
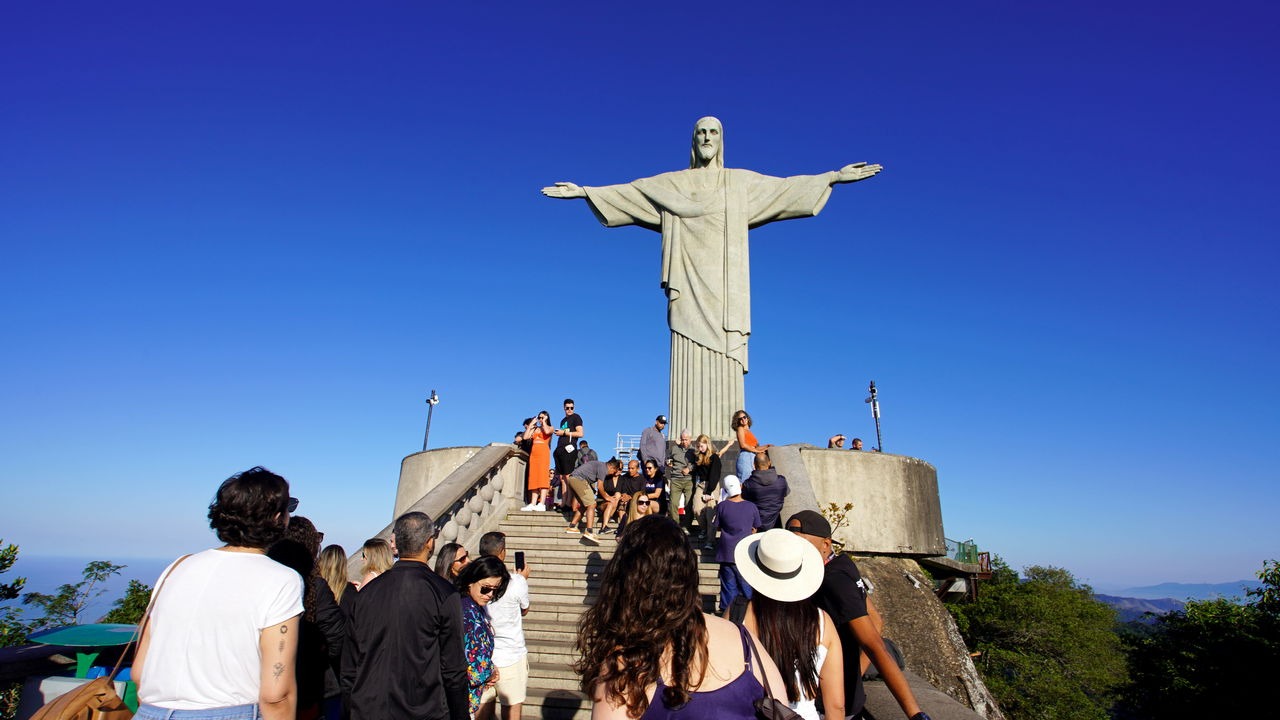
<point>565,580</point>
<point>561,672</point>
<point>559,703</point>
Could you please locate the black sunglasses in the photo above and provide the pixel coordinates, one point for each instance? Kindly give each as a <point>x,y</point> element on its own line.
<point>488,589</point>
<point>461,559</point>
<point>292,505</point>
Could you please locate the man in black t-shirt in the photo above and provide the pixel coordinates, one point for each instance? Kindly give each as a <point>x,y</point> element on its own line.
<point>843,595</point>
<point>566,455</point>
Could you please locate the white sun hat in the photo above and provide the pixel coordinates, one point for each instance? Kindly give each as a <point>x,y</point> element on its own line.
<point>780,565</point>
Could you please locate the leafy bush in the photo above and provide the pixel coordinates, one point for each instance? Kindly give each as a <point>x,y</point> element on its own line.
<point>1209,660</point>
<point>1048,648</point>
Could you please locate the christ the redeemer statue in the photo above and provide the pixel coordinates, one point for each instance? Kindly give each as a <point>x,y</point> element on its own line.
<point>703,214</point>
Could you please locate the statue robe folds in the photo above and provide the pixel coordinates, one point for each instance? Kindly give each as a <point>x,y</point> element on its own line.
<point>706,272</point>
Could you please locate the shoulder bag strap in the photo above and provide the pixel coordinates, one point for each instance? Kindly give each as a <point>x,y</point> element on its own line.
<point>146,618</point>
<point>755,652</point>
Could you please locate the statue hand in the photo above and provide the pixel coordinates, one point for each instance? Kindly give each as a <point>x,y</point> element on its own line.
<point>565,191</point>
<point>855,172</point>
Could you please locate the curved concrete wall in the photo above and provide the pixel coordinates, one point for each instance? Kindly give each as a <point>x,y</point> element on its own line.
<point>896,506</point>
<point>421,472</point>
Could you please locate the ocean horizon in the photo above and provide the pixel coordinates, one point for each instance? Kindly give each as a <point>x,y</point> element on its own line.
<point>46,573</point>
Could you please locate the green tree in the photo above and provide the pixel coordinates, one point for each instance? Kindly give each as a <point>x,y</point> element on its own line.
<point>130,608</point>
<point>1048,647</point>
<point>1209,660</point>
<point>64,606</point>
<point>12,630</point>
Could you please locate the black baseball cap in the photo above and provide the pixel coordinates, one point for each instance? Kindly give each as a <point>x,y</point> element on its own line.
<point>810,523</point>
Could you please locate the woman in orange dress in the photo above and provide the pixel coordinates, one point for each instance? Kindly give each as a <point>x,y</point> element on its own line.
<point>539,433</point>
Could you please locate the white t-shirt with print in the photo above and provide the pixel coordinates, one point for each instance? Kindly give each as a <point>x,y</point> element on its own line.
<point>508,625</point>
<point>205,628</point>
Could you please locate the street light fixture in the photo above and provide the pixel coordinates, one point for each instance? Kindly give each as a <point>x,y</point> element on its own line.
<point>431,406</point>
<point>874,402</point>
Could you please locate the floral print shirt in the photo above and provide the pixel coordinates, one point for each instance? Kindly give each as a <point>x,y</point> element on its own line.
<point>477,639</point>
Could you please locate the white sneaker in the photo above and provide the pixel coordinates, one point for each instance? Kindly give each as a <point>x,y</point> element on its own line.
<point>590,537</point>
<point>527,508</point>
<point>539,508</point>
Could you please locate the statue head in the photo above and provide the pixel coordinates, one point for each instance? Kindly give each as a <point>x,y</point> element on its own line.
<point>708,143</point>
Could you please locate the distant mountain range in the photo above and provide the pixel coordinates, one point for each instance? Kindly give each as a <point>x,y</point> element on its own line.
<point>1131,609</point>
<point>1191,591</point>
<point>1135,603</point>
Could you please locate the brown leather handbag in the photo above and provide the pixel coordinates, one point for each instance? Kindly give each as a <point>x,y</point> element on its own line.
<point>97,699</point>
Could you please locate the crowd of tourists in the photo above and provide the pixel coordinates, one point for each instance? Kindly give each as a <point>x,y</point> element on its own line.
<point>269,626</point>
<point>681,478</point>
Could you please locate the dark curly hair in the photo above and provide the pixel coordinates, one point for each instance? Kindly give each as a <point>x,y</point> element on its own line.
<point>485,566</point>
<point>251,509</point>
<point>299,549</point>
<point>649,603</point>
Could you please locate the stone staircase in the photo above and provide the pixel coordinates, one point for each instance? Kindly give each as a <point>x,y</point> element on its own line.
<point>563,582</point>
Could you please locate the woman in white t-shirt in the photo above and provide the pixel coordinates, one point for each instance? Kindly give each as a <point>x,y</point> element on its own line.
<point>785,571</point>
<point>223,634</point>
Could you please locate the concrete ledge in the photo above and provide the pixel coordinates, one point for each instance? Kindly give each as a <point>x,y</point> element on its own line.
<point>938,705</point>
<point>896,506</point>
<point>421,472</point>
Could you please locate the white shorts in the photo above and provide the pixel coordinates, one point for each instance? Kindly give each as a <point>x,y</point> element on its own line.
<point>512,685</point>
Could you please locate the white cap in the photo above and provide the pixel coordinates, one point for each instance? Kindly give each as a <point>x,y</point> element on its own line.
<point>732,485</point>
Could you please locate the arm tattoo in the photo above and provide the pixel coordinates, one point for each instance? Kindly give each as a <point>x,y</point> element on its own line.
<point>277,670</point>
<point>281,646</point>
<point>284,629</point>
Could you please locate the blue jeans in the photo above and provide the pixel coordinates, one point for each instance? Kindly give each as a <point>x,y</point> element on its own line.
<point>235,712</point>
<point>746,463</point>
<point>732,584</point>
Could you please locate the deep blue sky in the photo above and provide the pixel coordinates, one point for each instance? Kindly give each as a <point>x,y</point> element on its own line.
<point>242,233</point>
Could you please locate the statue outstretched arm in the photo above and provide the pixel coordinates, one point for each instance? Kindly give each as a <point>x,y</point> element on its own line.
<point>568,191</point>
<point>853,173</point>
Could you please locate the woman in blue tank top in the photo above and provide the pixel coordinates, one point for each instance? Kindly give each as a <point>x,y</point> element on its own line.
<point>647,648</point>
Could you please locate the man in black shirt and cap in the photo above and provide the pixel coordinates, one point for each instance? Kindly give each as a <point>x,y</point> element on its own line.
<point>843,596</point>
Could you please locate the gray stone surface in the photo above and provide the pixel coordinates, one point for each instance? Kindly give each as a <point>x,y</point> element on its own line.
<point>704,214</point>
<point>422,471</point>
<point>896,506</point>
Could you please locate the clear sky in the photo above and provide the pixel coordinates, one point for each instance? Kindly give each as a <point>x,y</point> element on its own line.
<point>245,233</point>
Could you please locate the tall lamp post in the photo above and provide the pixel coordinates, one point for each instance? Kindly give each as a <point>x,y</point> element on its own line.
<point>874,402</point>
<point>431,406</point>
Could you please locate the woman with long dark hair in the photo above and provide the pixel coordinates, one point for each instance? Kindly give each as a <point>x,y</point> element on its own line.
<point>450,559</point>
<point>323,626</point>
<point>648,650</point>
<point>480,583</point>
<point>655,485</point>
<point>784,572</point>
<point>223,635</point>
